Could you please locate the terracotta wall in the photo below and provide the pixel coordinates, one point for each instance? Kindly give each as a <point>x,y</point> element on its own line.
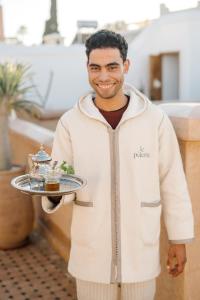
<point>26,138</point>
<point>186,121</point>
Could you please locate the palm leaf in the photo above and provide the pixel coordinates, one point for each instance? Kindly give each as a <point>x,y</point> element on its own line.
<point>13,91</point>
<point>13,85</point>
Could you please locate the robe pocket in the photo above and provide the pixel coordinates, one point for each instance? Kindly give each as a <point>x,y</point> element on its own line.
<point>150,222</point>
<point>83,226</point>
<point>82,198</point>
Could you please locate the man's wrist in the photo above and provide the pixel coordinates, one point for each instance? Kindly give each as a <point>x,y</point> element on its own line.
<point>183,241</point>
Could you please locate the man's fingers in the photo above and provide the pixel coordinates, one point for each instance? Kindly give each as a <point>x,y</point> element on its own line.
<point>177,269</point>
<point>181,261</point>
<point>170,262</point>
<point>174,271</point>
<point>181,265</point>
<point>176,259</point>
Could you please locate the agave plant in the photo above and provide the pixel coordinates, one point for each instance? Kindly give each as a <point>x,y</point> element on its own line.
<point>13,90</point>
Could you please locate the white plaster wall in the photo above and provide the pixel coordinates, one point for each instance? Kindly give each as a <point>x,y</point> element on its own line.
<point>176,32</point>
<point>67,63</point>
<point>194,88</point>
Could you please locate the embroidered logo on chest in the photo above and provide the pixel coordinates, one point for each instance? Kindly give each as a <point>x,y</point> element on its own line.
<point>141,153</point>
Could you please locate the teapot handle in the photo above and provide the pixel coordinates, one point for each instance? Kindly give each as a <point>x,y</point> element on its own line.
<point>30,162</point>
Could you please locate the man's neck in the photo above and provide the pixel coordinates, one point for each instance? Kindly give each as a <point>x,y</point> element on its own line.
<point>112,103</point>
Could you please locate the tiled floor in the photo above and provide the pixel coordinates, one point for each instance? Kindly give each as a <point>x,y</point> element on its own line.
<point>36,272</point>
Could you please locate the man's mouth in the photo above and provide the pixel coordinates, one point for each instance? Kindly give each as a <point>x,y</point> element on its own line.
<point>104,86</point>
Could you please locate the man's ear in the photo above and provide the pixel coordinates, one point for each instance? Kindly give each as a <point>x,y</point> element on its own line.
<point>126,65</point>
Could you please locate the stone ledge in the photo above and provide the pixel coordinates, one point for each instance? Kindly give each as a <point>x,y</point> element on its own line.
<point>32,131</point>
<point>185,118</point>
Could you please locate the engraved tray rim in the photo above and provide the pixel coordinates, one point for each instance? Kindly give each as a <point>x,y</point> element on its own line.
<point>19,180</point>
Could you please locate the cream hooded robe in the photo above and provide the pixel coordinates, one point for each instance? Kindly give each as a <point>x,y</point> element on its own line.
<point>133,173</point>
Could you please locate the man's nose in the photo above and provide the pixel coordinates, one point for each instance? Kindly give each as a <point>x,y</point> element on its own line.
<point>103,76</point>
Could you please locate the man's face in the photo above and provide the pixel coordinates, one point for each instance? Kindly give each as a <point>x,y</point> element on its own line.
<point>106,71</point>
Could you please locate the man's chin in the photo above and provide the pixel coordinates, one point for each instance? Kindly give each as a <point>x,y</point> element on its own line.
<point>105,96</point>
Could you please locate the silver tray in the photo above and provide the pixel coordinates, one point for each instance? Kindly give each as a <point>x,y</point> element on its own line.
<point>68,185</point>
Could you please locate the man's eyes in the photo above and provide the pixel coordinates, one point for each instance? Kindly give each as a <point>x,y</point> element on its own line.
<point>113,67</point>
<point>108,68</point>
<point>93,68</point>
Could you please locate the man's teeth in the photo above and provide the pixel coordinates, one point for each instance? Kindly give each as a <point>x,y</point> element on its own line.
<point>105,86</point>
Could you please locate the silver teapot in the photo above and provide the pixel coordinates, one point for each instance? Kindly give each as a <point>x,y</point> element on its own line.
<point>39,166</point>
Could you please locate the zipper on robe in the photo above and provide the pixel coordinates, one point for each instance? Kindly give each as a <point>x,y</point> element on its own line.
<point>115,207</point>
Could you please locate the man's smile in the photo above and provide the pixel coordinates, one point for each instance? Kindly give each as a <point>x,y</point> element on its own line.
<point>104,86</point>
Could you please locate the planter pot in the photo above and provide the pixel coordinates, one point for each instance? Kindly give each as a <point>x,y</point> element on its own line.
<point>16,211</point>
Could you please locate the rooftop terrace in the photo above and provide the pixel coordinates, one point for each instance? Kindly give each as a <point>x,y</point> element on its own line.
<point>35,271</point>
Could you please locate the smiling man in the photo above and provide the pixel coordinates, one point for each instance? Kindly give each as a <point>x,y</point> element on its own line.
<point>126,149</point>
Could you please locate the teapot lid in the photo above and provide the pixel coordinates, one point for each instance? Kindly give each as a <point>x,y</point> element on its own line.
<point>41,155</point>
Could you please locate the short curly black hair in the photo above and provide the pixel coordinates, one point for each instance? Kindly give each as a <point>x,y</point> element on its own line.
<point>107,39</point>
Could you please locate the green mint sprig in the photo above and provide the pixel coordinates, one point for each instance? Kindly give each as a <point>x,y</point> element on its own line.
<point>68,169</point>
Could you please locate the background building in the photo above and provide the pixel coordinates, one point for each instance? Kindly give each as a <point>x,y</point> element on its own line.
<point>51,33</point>
<point>84,30</point>
<point>166,56</point>
<point>165,59</point>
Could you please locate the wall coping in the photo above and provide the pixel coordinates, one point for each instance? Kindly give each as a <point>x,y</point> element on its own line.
<point>185,118</point>
<point>49,114</point>
<point>32,131</point>
<point>182,110</point>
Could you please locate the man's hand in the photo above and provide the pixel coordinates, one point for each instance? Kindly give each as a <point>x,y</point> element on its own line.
<point>55,199</point>
<point>176,259</point>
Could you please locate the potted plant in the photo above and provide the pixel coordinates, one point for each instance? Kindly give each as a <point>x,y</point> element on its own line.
<point>16,209</point>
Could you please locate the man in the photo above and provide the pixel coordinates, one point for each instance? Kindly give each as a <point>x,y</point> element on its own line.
<point>127,150</point>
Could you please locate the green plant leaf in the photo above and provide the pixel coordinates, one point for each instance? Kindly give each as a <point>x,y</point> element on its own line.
<point>14,87</point>
<point>68,169</point>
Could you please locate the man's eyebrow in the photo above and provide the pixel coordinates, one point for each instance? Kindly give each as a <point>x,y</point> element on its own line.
<point>93,65</point>
<point>108,65</point>
<point>112,64</point>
